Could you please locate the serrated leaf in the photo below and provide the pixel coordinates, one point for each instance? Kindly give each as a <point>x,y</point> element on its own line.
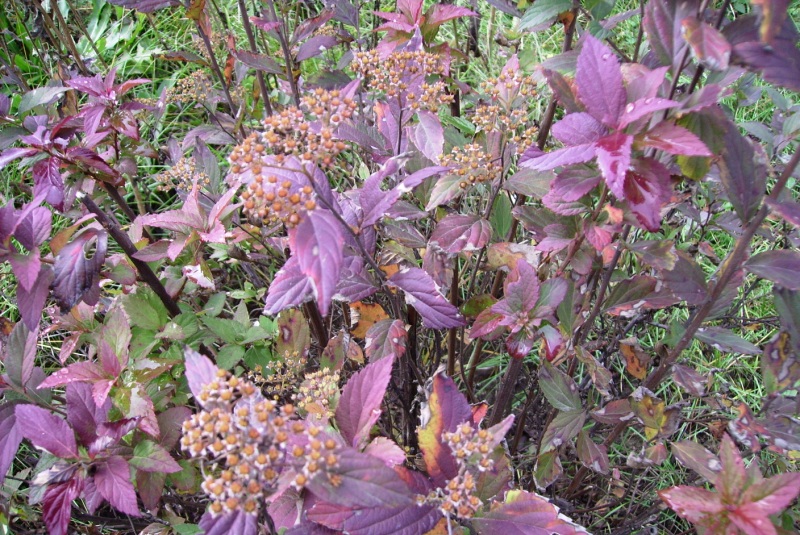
<point>780,266</point>
<point>559,389</point>
<point>599,80</point>
<point>542,12</point>
<point>360,402</point>
<point>38,97</point>
<point>46,431</point>
<point>524,513</point>
<point>386,339</point>
<point>564,427</point>
<point>456,233</point>
<point>150,457</point>
<point>708,45</point>
<point>421,293</point>
<point>75,273</point>
<point>694,456</point>
<point>592,455</point>
<point>200,371</point>
<point>548,469</point>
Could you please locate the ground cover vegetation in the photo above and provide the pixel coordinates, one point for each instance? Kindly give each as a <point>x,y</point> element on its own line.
<point>377,268</point>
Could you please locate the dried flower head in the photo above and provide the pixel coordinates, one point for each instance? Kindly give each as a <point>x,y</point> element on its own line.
<point>193,88</point>
<point>318,393</point>
<point>182,175</point>
<point>472,164</point>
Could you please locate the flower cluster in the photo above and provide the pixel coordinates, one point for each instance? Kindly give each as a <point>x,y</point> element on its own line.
<point>249,441</point>
<point>280,375</point>
<point>194,88</point>
<point>510,89</point>
<point>182,175</point>
<point>458,498</point>
<point>472,164</point>
<point>471,446</point>
<point>273,200</point>
<point>318,393</point>
<point>403,74</point>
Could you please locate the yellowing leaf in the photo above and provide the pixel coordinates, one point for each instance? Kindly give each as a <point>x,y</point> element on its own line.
<point>364,316</point>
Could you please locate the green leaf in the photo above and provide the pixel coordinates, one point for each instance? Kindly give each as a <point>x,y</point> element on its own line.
<point>39,96</point>
<point>548,468</point>
<point>559,389</point>
<point>542,12</point>
<point>501,217</point>
<point>150,457</point>
<point>229,331</point>
<point>257,356</point>
<point>186,529</point>
<point>229,356</point>
<point>214,304</point>
<point>145,309</point>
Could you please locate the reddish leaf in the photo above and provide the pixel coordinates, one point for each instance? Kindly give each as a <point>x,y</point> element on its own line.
<point>780,266</point>
<point>524,513</point>
<point>57,505</point>
<point>83,414</point>
<point>363,481</point>
<point>559,389</point>
<point>691,503</point>
<point>456,233</point>
<point>614,412</point>
<point>688,379</point>
<point>599,80</point>
<point>613,159</point>
<point>578,129</point>
<point>446,409</point>
<point>46,431</point>
<point>113,481</point>
<point>743,173</point>
<point>592,455</point>
<point>421,293</point>
<point>647,188</point>
<point>429,135</point>
<point>557,158</point>
<point>694,456</point>
<point>150,486</point>
<point>778,62</point>
<point>19,353</point>
<point>386,339</point>
<point>643,108</point>
<point>47,181</point>
<point>359,404</point>
<point>709,46</point>
<point>77,371</point>
<point>675,139</point>
<point>10,438</point>
<point>318,244</point>
<point>31,303</point>
<point>662,24</point>
<point>562,429</point>
<point>75,273</point>
<point>289,288</point>
<point>406,520</point>
<point>237,522</point>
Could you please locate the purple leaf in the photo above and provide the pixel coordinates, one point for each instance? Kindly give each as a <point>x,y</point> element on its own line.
<point>360,402</point>
<point>644,107</point>
<point>145,6</point>
<point>46,431</point>
<point>429,135</point>
<point>647,188</point>
<point>170,424</point>
<point>456,233</point>
<point>19,354</point>
<point>318,242</point>
<point>407,520</point>
<point>578,129</point>
<point>561,157</point>
<point>34,227</point>
<point>57,505</point>
<point>386,339</point>
<point>613,159</point>
<point>47,181</point>
<point>725,340</point>
<point>662,24</point>
<point>113,482</point>
<point>237,522</point>
<point>694,456</point>
<point>85,371</point>
<point>438,14</point>
<point>599,81</point>
<point>592,455</point>
<point>259,62</point>
<point>92,160</point>
<point>778,62</point>
<point>779,266</point>
<point>315,46</point>
<point>10,438</point>
<point>709,46</point>
<point>200,371</point>
<point>75,274</point>
<point>150,486</point>
<point>83,414</point>
<point>364,481</point>
<point>525,513</point>
<point>421,293</point>
<point>675,139</point>
<point>446,188</point>
<point>289,288</point>
<point>31,303</point>
<point>573,183</point>
<point>742,172</point>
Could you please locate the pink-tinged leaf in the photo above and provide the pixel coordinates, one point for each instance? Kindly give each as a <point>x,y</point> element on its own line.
<point>643,108</point>
<point>407,520</point>
<point>57,505</point>
<point>315,46</point>
<point>445,189</point>
<point>788,210</point>
<point>318,244</point>
<point>19,354</point>
<point>675,139</point>
<point>154,252</point>
<point>614,159</point>
<point>445,410</point>
<point>573,183</point>
<point>778,63</point>
<point>10,155</point>
<point>559,389</point>
<point>772,14</point>
<point>773,495</point>
<point>647,188</point>
<point>525,513</point>
<point>708,45</point>
<point>10,438</point>
<point>47,181</point>
<point>26,268</point>
<point>591,454</point>
<point>578,129</point>
<point>113,481</point>
<point>557,158</point>
<point>429,135</point>
<point>150,487</point>
<point>695,457</point>
<point>145,6</point>
<point>386,450</point>
<point>289,288</point>
<point>364,481</point>
<point>170,423</point>
<point>83,414</point>
<point>441,13</point>
<point>92,160</point>
<point>92,116</point>
<point>599,81</point>
<point>386,339</point>
<point>31,303</point>
<point>84,371</point>
<point>662,24</point>
<point>46,431</point>
<point>200,371</point>
<point>779,266</point>
<point>388,126</point>
<point>34,227</point>
<point>150,457</point>
<point>614,412</point>
<point>75,273</point>
<point>731,479</point>
<point>237,522</point>
<point>726,340</point>
<point>421,293</point>
<point>689,380</point>
<point>692,503</point>
<point>360,402</point>
<point>456,233</point>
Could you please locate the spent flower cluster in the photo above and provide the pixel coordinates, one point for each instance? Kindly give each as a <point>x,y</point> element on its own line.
<point>473,164</point>
<point>183,175</point>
